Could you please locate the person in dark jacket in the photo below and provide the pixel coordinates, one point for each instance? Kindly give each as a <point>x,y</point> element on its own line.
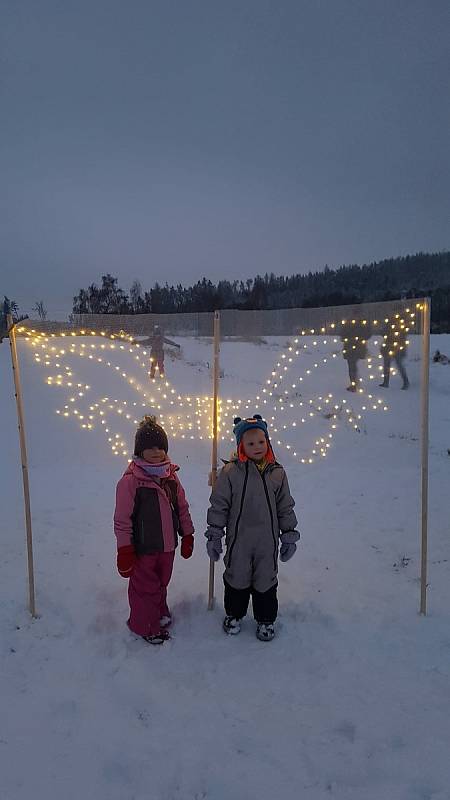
<point>157,342</point>
<point>393,348</point>
<point>354,349</point>
<point>252,503</point>
<point>151,512</point>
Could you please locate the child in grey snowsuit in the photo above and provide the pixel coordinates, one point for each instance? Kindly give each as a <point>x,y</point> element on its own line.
<point>252,504</point>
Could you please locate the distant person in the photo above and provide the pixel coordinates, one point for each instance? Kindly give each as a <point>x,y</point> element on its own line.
<point>393,347</point>
<point>440,358</point>
<point>157,341</point>
<point>354,350</point>
<point>151,513</point>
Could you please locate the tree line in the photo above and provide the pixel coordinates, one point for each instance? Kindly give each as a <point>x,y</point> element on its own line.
<point>423,274</point>
<point>419,275</point>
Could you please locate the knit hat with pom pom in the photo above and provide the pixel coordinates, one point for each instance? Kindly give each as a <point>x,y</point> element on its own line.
<point>149,434</point>
<point>243,425</point>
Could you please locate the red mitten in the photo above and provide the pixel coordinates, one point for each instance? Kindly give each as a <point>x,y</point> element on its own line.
<point>187,545</point>
<point>126,558</point>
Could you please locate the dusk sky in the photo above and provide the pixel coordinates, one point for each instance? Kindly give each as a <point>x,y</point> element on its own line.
<point>169,140</point>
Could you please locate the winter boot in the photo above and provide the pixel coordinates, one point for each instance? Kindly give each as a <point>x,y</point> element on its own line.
<point>231,625</point>
<point>157,638</point>
<point>265,631</point>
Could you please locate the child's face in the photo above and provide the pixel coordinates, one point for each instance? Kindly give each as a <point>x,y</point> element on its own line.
<point>255,444</point>
<point>154,455</point>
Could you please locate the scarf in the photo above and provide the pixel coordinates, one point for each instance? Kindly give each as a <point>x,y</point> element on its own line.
<point>161,470</point>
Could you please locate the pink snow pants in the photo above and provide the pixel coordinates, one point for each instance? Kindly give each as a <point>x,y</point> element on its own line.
<point>147,592</point>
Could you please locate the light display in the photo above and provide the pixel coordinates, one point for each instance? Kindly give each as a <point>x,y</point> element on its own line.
<point>282,400</point>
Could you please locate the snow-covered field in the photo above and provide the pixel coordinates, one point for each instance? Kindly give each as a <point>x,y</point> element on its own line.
<point>351,701</point>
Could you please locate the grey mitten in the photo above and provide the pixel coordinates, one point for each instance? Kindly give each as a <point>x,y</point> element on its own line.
<point>288,546</point>
<point>214,543</point>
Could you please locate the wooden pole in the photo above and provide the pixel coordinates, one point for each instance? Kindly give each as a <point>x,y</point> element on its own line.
<point>24,460</point>
<point>216,373</point>
<point>424,448</point>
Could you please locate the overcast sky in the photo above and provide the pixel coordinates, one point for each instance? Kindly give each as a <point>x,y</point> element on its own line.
<point>175,139</point>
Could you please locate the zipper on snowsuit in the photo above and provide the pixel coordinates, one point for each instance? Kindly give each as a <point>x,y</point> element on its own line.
<point>239,515</point>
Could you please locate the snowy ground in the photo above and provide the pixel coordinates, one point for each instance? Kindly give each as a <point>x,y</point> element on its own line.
<point>351,701</point>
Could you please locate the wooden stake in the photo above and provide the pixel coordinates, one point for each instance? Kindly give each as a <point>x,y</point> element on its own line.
<point>24,460</point>
<point>424,447</point>
<point>215,437</point>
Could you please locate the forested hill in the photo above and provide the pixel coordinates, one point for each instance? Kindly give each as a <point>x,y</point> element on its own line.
<point>410,276</point>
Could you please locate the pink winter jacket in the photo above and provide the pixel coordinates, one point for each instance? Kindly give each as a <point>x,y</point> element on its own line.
<point>143,515</point>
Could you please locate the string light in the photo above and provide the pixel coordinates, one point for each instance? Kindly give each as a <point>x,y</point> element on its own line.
<point>198,424</point>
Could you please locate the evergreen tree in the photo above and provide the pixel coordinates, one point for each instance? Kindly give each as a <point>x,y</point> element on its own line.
<point>411,276</point>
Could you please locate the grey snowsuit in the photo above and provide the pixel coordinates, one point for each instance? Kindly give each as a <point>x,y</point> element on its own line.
<point>254,508</point>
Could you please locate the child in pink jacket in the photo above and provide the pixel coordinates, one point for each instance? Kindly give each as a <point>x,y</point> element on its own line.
<point>151,512</point>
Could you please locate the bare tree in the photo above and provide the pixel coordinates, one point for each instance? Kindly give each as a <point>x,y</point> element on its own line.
<point>40,309</point>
